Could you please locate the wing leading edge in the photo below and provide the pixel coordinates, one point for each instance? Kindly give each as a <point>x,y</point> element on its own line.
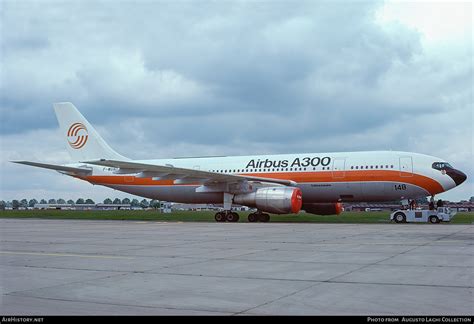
<point>181,175</point>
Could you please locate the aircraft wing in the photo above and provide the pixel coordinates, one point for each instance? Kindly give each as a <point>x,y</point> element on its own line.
<point>181,175</point>
<point>59,168</point>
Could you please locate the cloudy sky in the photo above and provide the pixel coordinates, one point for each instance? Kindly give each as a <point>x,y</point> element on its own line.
<point>182,78</point>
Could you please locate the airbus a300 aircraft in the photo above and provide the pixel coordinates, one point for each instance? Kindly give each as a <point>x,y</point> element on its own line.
<point>317,183</point>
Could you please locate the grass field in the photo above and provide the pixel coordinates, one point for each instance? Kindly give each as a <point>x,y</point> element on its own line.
<point>207,216</point>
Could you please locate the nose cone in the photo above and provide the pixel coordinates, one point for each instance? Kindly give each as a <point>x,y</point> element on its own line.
<point>458,176</point>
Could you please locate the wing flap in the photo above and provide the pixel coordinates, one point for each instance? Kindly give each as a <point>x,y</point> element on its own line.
<point>160,171</point>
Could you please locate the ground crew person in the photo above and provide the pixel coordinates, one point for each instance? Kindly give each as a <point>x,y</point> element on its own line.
<point>439,203</point>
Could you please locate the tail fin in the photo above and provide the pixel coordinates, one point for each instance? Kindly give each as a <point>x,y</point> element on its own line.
<point>82,140</point>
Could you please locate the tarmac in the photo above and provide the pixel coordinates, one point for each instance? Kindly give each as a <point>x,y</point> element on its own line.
<point>84,267</point>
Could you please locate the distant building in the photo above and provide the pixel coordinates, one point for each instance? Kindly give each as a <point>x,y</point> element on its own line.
<point>204,207</point>
<point>370,207</point>
<point>83,206</point>
<point>54,206</point>
<point>165,207</point>
<point>195,207</point>
<point>458,206</point>
<point>113,206</point>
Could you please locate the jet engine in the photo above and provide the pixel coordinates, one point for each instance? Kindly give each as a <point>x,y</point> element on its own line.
<point>277,200</point>
<point>323,209</point>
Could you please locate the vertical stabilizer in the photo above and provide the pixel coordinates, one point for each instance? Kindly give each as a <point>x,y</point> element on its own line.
<point>82,140</point>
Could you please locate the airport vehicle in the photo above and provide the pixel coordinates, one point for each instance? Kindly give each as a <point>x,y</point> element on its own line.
<point>440,214</point>
<point>315,182</point>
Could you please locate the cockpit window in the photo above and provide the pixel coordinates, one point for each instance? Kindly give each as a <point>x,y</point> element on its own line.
<point>441,166</point>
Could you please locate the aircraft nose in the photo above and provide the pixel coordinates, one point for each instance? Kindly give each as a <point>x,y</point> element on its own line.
<point>458,176</point>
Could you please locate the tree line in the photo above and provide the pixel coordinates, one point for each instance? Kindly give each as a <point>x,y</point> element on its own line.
<point>24,203</point>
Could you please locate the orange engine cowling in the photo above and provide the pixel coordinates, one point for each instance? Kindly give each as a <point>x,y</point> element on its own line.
<point>323,208</point>
<point>277,200</point>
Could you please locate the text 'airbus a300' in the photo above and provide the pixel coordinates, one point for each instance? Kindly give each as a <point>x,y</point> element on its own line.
<point>316,183</point>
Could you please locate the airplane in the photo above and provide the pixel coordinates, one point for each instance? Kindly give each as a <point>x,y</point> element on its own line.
<point>317,183</point>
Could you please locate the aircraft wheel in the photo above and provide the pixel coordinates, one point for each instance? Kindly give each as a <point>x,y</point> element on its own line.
<point>253,218</point>
<point>400,218</point>
<point>264,218</point>
<point>232,217</point>
<point>220,217</point>
<point>434,220</point>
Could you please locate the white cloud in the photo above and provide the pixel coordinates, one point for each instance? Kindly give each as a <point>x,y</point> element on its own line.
<point>437,21</point>
<point>163,79</point>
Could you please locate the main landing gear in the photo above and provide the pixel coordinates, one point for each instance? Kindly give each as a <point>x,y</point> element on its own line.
<point>231,217</point>
<point>259,217</point>
<point>226,216</point>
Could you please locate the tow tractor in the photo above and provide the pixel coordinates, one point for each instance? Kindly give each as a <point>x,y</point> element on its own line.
<point>440,214</point>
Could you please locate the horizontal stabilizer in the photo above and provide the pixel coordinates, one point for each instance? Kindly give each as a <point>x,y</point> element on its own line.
<point>59,168</point>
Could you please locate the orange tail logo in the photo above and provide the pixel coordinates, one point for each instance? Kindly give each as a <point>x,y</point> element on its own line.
<point>77,135</point>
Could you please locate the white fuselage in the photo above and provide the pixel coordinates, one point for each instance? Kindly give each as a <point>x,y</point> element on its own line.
<point>322,177</point>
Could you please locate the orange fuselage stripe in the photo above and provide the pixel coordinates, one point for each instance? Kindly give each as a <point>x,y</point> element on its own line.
<point>432,186</point>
